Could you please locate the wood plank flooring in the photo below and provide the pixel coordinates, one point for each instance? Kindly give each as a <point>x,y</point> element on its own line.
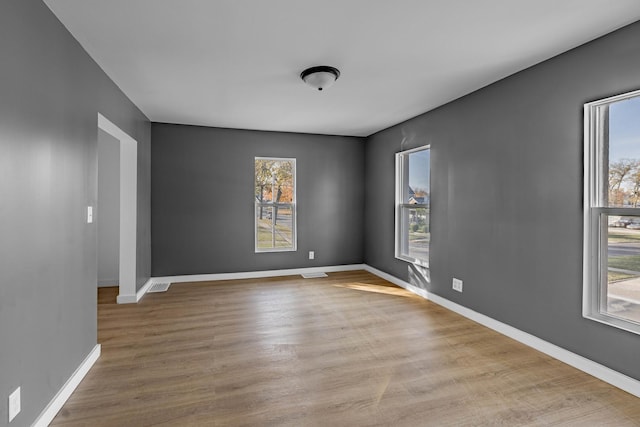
<point>347,350</point>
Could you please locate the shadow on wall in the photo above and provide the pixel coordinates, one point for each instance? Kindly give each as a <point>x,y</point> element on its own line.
<point>419,276</point>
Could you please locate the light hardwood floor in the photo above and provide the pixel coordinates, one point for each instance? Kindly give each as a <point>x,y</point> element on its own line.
<point>347,350</point>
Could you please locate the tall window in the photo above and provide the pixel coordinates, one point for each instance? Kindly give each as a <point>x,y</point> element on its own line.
<point>412,205</point>
<point>275,204</point>
<point>612,211</point>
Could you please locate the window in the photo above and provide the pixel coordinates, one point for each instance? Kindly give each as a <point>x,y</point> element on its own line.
<point>412,205</point>
<point>611,261</point>
<point>275,204</point>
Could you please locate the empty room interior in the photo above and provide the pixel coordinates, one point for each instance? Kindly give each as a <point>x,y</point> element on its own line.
<point>292,213</point>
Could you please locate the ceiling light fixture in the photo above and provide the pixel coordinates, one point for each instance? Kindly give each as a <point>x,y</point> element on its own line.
<point>320,77</point>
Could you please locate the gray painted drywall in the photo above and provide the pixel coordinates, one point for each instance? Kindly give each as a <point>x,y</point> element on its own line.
<point>50,94</point>
<point>203,199</point>
<point>506,193</point>
<point>108,209</point>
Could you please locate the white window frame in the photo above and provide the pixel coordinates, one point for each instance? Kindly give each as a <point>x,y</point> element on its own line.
<point>272,205</point>
<point>595,214</point>
<point>402,182</point>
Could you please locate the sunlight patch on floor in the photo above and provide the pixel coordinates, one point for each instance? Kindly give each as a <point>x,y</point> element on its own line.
<point>365,287</point>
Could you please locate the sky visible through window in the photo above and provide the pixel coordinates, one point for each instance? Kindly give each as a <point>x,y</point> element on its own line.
<point>624,130</point>
<point>419,170</point>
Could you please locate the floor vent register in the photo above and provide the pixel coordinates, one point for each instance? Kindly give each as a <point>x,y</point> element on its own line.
<point>159,287</point>
<point>314,275</point>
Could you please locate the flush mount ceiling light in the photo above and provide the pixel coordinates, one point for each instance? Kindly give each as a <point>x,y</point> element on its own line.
<point>320,77</point>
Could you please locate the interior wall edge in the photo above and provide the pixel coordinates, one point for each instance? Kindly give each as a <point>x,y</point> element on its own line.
<point>58,401</point>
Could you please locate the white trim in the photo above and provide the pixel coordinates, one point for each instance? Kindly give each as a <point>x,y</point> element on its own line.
<point>595,210</point>
<point>401,184</point>
<point>586,211</point>
<point>608,375</point>
<point>143,290</point>
<point>126,299</point>
<point>615,98</point>
<point>128,207</point>
<point>393,279</point>
<point>52,409</point>
<point>253,274</point>
<point>133,299</point>
<point>293,204</point>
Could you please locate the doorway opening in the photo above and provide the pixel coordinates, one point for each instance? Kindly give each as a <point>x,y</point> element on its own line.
<point>127,200</point>
<point>108,210</point>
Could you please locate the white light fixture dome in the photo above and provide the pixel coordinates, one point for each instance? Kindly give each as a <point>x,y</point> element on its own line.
<point>320,77</point>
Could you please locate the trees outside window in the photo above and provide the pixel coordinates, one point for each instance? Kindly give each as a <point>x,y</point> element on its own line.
<point>275,204</point>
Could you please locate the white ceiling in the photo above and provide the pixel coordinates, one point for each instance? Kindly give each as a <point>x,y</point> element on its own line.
<point>236,63</point>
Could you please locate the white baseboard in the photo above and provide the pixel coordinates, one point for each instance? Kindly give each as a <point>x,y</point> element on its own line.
<point>608,375</point>
<point>132,299</point>
<point>63,394</point>
<point>143,290</point>
<point>126,299</point>
<point>254,274</point>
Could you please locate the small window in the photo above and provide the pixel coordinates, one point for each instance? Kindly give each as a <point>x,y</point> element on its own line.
<point>275,204</point>
<point>612,211</point>
<point>413,205</point>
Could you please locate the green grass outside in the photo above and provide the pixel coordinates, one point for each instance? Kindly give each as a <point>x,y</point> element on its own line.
<point>613,276</point>
<point>265,238</point>
<point>623,236</point>
<point>625,262</point>
<point>416,235</point>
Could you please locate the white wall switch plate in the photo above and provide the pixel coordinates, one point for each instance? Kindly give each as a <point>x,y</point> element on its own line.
<point>457,285</point>
<point>14,404</point>
<point>89,214</point>
<point>312,255</point>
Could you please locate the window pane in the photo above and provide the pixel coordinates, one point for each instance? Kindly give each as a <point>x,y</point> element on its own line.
<point>274,180</point>
<point>622,296</point>
<point>416,232</point>
<point>612,225</point>
<point>412,205</point>
<point>274,227</point>
<point>621,137</point>
<point>275,194</point>
<point>417,174</point>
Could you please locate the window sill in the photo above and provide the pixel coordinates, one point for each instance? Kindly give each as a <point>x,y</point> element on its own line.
<point>613,321</point>
<point>262,251</point>
<point>414,261</point>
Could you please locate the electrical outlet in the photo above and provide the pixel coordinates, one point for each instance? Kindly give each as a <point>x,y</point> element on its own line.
<point>312,255</point>
<point>14,404</point>
<point>457,285</point>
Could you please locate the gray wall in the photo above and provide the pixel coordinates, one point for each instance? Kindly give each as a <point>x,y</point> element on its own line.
<point>507,189</point>
<point>506,193</point>
<point>50,95</point>
<point>203,199</point>
<point>108,212</point>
